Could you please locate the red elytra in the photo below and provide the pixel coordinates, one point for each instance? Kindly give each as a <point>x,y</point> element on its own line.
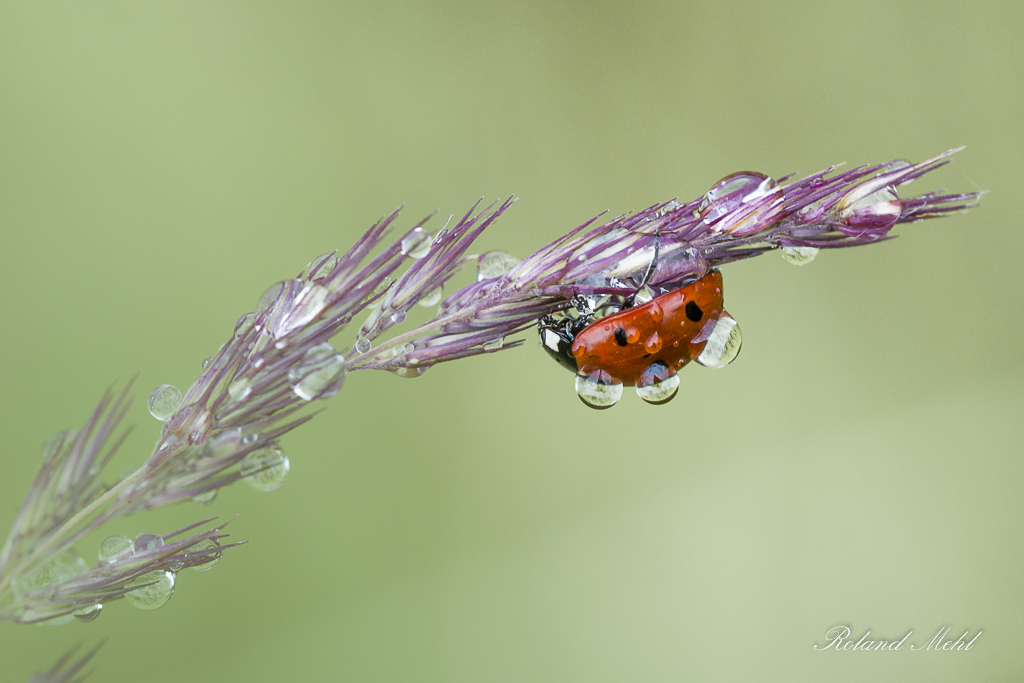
<point>667,329</point>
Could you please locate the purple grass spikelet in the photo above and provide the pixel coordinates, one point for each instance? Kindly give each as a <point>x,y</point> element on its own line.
<point>283,356</point>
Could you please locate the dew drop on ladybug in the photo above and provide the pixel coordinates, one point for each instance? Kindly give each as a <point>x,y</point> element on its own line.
<point>657,384</point>
<point>723,343</point>
<point>598,389</point>
<point>644,345</point>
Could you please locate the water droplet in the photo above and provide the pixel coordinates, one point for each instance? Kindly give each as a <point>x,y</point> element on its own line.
<point>416,244</point>
<point>812,213</point>
<point>250,439</point>
<point>897,165</point>
<point>407,373</point>
<point>164,401</point>
<point>206,362</point>
<point>88,613</point>
<point>493,344</point>
<point>653,343</point>
<point>432,298</point>
<point>723,344</point>
<point>495,264</point>
<point>870,208</point>
<point>398,317</point>
<point>598,389</point>
<point>154,595</point>
<point>657,384</point>
<point>305,307</point>
<point>205,498</point>
<point>363,345</point>
<point>656,312</point>
<point>632,335</point>
<point>319,374</point>
<point>64,567</point>
<point>320,267</point>
<point>265,469</point>
<point>116,547</point>
<point>383,286</point>
<point>244,324</point>
<point>206,544</point>
<point>874,220</point>
<point>799,256</point>
<point>388,354</point>
<point>643,295</point>
<point>270,296</point>
<point>669,207</point>
<point>240,389</point>
<point>734,192</point>
<point>144,542</point>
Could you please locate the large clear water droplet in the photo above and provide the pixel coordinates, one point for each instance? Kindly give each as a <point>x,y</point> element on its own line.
<point>305,307</point>
<point>723,343</point>
<point>115,547</point>
<point>398,317</point>
<point>416,244</point>
<point>164,402</point>
<point>320,267</point>
<point>144,542</point>
<point>799,256</point>
<point>265,469</point>
<point>205,545</point>
<point>271,296</point>
<point>493,344</point>
<point>88,613</point>
<point>205,498</point>
<point>871,208</point>
<point>432,298</point>
<point>598,389</point>
<point>732,193</point>
<point>657,384</point>
<point>495,264</point>
<point>64,567</point>
<point>363,345</point>
<point>319,374</point>
<point>896,165</point>
<point>151,590</point>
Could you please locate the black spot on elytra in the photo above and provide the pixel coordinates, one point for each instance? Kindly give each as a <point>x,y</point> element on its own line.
<point>620,336</point>
<point>693,311</point>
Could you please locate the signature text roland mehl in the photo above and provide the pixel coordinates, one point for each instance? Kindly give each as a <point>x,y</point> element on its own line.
<point>841,638</point>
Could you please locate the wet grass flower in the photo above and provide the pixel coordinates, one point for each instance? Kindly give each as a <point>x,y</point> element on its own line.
<point>285,355</point>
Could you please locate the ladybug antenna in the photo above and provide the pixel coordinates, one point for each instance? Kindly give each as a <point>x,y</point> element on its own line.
<point>631,299</point>
<point>654,262</point>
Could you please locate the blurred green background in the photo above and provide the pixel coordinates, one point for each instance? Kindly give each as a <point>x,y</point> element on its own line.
<point>861,463</point>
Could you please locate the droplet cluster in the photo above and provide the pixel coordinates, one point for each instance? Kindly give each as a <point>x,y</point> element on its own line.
<point>646,345</point>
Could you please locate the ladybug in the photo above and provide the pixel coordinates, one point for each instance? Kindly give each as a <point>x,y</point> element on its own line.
<point>644,345</point>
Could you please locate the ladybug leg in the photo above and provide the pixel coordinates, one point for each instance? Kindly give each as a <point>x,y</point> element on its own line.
<point>582,306</point>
